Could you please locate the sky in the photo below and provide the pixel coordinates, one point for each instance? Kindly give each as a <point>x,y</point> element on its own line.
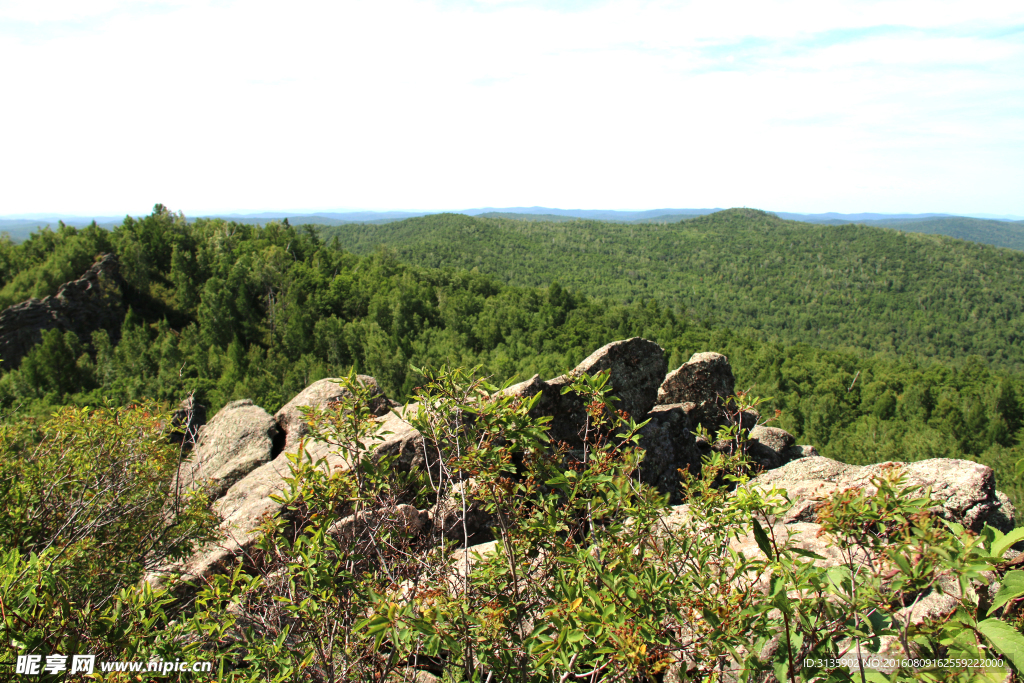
<point>207,106</point>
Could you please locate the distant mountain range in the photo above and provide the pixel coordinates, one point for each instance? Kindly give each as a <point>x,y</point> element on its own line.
<point>1001,231</point>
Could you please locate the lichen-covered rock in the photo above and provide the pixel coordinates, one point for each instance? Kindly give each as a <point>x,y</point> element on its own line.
<point>637,368</point>
<point>797,452</point>
<point>769,446</point>
<point>240,438</point>
<point>774,438</point>
<point>705,380</point>
<point>1005,516</point>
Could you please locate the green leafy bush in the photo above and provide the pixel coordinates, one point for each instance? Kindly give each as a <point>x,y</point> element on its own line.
<point>87,505</point>
<point>591,575</point>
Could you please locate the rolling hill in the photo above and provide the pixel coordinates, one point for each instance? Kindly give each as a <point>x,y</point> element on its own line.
<point>836,286</point>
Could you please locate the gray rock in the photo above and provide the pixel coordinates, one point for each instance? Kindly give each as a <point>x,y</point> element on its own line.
<point>797,452</point>
<point>806,469</point>
<point>403,518</point>
<point>459,514</point>
<point>670,447</point>
<point>404,440</point>
<point>769,446</point>
<point>322,394</point>
<point>526,388</point>
<point>705,380</point>
<point>82,306</point>
<point>964,491</point>
<point>637,369</point>
<point>774,438</point>
<point>238,439</point>
<point>245,506</point>
<point>1005,516</point>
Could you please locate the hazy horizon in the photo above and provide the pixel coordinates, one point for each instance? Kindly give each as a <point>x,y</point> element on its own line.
<point>270,213</point>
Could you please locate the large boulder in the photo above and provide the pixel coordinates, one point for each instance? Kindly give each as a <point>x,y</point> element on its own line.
<point>705,380</point>
<point>669,447</point>
<point>243,457</point>
<point>322,394</point>
<point>90,303</point>
<point>242,510</point>
<point>399,437</point>
<point>637,367</point>
<point>770,447</point>
<point>240,438</point>
<point>964,491</point>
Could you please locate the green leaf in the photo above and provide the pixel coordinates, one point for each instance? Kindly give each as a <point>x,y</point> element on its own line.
<point>575,636</point>
<point>1007,640</point>
<point>762,541</point>
<point>1013,587</point>
<point>781,667</point>
<point>899,559</point>
<point>1003,544</point>
<point>711,618</point>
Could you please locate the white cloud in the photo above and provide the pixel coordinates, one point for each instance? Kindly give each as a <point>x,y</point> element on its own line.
<point>803,106</point>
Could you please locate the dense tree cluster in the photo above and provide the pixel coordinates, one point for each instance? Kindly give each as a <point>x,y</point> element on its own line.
<point>237,311</point>
<point>830,286</point>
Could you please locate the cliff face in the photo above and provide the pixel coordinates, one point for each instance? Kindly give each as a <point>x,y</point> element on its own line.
<point>90,303</point>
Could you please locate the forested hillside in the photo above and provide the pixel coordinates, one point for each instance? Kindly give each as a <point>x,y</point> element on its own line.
<point>1008,234</point>
<point>237,311</point>
<point>831,286</point>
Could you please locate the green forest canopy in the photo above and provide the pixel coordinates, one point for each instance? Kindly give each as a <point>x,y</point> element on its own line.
<point>830,286</point>
<point>874,345</point>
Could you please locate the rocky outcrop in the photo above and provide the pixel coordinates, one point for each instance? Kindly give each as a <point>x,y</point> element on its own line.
<point>242,453</point>
<point>241,458</point>
<point>90,303</point>
<point>242,509</point>
<point>964,491</point>
<point>705,380</point>
<point>637,367</point>
<point>669,445</point>
<point>239,439</point>
<point>322,394</point>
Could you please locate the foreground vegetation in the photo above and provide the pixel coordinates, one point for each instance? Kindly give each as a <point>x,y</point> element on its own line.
<point>584,582</point>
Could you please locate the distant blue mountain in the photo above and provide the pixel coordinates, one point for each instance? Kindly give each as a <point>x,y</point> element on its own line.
<point>850,217</point>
